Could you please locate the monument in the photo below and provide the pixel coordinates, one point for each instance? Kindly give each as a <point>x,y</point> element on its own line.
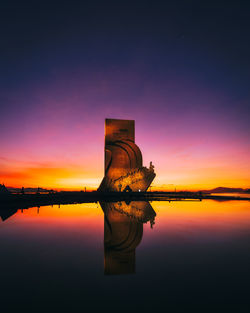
<point>124,170</point>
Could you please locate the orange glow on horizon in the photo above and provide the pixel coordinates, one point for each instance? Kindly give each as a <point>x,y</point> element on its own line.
<point>175,171</point>
<point>57,180</point>
<point>170,216</point>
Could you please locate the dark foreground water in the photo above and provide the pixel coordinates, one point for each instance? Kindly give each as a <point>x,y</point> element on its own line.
<point>120,257</point>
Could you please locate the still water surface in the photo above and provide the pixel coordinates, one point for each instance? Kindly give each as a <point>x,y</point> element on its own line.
<point>159,256</point>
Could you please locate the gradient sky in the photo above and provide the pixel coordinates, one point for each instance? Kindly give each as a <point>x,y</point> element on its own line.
<point>180,69</point>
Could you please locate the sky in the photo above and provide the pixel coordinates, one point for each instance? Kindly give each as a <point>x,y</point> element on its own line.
<point>180,69</point>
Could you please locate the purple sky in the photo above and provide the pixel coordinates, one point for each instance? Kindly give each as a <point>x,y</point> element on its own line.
<point>180,71</point>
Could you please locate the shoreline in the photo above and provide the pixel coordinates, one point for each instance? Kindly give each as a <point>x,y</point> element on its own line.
<point>20,201</point>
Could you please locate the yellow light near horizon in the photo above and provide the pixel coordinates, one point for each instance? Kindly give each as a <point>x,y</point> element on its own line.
<point>76,179</point>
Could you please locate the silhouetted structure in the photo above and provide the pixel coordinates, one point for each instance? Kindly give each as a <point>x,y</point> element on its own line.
<point>3,190</point>
<point>123,230</point>
<point>5,214</point>
<point>123,159</point>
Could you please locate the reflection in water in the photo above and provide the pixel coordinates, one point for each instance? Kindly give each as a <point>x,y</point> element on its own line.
<point>197,254</point>
<point>6,213</point>
<point>123,230</point>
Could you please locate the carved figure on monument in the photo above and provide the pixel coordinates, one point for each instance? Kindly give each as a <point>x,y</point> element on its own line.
<point>151,167</point>
<point>123,159</point>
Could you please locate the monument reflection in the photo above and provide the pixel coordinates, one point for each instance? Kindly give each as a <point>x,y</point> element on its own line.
<point>123,231</point>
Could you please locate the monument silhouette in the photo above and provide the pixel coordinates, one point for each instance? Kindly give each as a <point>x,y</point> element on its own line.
<point>124,170</point>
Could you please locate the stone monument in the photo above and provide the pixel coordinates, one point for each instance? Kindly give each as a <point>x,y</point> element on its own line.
<point>124,171</point>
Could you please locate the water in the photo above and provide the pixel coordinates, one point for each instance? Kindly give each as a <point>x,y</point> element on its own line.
<point>191,255</point>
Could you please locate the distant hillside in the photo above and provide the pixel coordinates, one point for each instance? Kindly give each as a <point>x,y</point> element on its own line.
<point>226,190</point>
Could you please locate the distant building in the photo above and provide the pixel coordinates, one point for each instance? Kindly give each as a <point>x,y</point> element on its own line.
<point>3,189</point>
<point>123,159</point>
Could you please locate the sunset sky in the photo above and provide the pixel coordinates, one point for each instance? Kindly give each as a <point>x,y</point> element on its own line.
<point>181,70</point>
